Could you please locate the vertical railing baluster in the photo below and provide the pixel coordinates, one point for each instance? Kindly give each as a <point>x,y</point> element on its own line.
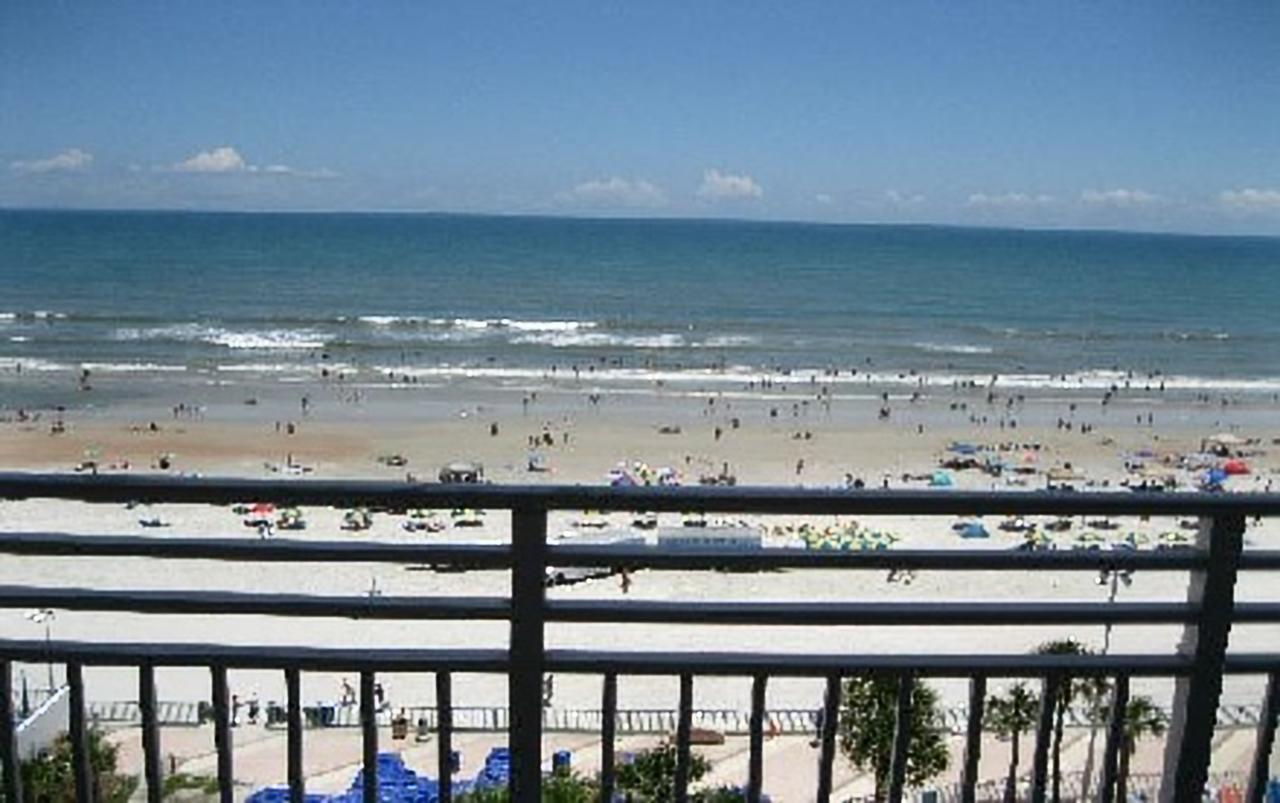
<point>901,738</point>
<point>444,735</point>
<point>755,771</point>
<point>1044,735</point>
<point>1195,698</point>
<point>222,733</point>
<point>8,737</point>
<point>150,733</point>
<point>1115,740</point>
<point>369,736</point>
<point>683,728</point>
<point>79,735</point>
<point>608,732</point>
<point>973,738</point>
<point>827,737</point>
<point>527,651</point>
<point>293,714</point>
<point>1265,740</point>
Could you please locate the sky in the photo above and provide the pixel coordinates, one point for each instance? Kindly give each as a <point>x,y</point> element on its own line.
<point>1130,115</point>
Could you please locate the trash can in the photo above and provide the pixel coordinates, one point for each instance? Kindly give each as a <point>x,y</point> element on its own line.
<point>276,715</point>
<point>561,761</point>
<point>399,728</point>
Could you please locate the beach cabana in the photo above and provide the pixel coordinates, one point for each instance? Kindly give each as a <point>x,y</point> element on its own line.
<point>1222,443</point>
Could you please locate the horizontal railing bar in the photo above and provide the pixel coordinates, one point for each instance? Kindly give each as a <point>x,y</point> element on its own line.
<point>317,659</point>
<point>208,490</point>
<point>1259,559</point>
<point>797,558</point>
<point>890,613</point>
<point>622,612</point>
<point>487,556</point>
<point>234,602</point>
<point>597,662</point>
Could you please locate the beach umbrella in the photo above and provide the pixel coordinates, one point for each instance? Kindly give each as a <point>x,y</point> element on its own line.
<point>1233,467</point>
<point>1213,478</point>
<point>962,448</point>
<point>974,529</point>
<point>263,509</point>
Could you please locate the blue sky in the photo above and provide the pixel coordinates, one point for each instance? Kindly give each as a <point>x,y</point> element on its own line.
<point>1160,115</point>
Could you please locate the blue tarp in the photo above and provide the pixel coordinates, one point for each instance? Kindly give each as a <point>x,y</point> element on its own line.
<point>974,529</point>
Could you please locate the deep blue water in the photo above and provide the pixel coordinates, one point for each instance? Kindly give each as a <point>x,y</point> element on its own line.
<point>210,292</point>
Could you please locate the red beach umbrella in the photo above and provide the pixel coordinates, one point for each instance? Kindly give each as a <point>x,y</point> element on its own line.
<point>1235,467</point>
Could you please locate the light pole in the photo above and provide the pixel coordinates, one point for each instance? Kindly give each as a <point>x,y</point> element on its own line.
<point>45,616</point>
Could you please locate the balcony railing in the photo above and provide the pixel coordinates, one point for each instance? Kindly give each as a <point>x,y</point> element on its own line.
<point>1198,665</point>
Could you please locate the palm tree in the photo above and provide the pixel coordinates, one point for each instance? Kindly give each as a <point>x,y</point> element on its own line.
<point>1010,717</point>
<point>1141,718</point>
<point>1067,693</point>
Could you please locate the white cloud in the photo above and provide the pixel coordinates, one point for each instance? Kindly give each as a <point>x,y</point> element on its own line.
<point>1007,200</point>
<point>900,198</point>
<point>717,186</point>
<point>615,192</point>
<point>1122,198</point>
<point>70,159</point>
<point>823,198</point>
<point>226,159</point>
<point>1253,199</point>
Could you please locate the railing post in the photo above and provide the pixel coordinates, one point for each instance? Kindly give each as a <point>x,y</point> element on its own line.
<point>608,735</point>
<point>1264,741</point>
<point>83,772</point>
<point>827,737</point>
<point>1195,697</point>
<point>973,738</point>
<point>222,733</point>
<point>8,738</point>
<point>293,715</point>
<point>150,733</point>
<point>524,683</point>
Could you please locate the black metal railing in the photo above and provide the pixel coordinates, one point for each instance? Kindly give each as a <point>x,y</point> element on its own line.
<point>1198,665</point>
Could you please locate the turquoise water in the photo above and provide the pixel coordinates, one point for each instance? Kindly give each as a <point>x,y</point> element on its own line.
<point>275,295</point>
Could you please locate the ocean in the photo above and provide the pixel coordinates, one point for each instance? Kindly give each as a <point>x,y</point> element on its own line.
<point>279,297</point>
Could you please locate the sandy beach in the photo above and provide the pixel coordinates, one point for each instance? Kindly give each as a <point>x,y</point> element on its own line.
<point>786,437</point>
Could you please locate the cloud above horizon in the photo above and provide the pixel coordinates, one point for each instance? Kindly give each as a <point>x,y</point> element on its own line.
<point>66,161</point>
<point>1119,197</point>
<point>1252,199</point>
<point>717,186</point>
<point>614,192</point>
<point>227,160</point>
<point>1007,200</point>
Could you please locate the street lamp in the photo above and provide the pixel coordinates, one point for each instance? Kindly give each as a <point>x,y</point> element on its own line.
<point>45,616</point>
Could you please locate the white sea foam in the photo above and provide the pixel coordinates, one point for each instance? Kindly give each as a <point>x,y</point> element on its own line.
<point>131,367</point>
<point>727,341</point>
<point>269,340</point>
<point>252,340</point>
<point>18,339</point>
<point>31,364</point>
<point>952,348</point>
<point>575,339</point>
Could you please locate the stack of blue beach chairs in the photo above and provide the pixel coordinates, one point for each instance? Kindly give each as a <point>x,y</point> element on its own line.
<point>399,784</point>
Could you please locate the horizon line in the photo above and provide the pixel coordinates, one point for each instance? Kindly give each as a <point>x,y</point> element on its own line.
<point>782,221</point>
